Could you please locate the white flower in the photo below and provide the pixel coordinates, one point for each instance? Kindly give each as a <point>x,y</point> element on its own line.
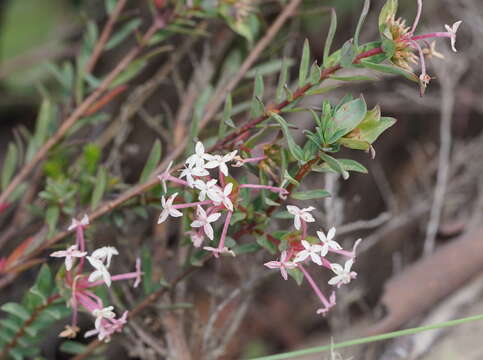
<point>225,197</point>
<point>220,161</point>
<point>82,223</point>
<point>105,253</point>
<point>100,272</point>
<point>189,172</point>
<point>217,251</point>
<point>100,314</point>
<point>163,177</point>
<point>198,158</point>
<point>204,221</point>
<point>452,32</point>
<point>209,189</point>
<point>283,265</point>
<point>327,242</point>
<point>69,254</point>
<point>168,208</point>
<point>309,250</point>
<point>343,275</point>
<point>300,214</point>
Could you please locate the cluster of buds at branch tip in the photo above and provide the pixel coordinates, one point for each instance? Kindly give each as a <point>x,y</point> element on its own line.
<point>406,42</point>
<point>80,284</point>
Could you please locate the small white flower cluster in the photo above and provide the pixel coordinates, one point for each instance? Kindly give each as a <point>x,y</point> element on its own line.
<point>317,252</point>
<point>212,192</point>
<point>80,284</point>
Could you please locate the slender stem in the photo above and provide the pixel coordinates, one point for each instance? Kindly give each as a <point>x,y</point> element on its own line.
<point>431,35</point>
<point>316,289</point>
<point>106,33</point>
<point>261,187</point>
<point>126,276</point>
<point>418,16</point>
<point>221,244</point>
<point>304,229</point>
<point>193,204</point>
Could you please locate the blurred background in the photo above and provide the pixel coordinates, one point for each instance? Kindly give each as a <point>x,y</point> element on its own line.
<point>424,186</point>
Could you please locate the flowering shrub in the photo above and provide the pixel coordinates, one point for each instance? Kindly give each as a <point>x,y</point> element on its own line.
<point>228,193</point>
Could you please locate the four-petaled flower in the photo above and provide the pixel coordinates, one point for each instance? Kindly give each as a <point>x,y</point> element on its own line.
<point>343,274</point>
<point>189,172</point>
<point>209,189</point>
<point>220,161</point>
<point>76,223</point>
<point>196,238</point>
<point>216,251</point>
<point>101,271</point>
<point>327,241</point>
<point>300,215</point>
<point>225,197</point>
<point>100,314</point>
<point>309,250</point>
<point>452,32</point>
<point>199,157</point>
<point>69,254</point>
<point>204,220</point>
<point>105,253</point>
<point>283,265</point>
<point>168,208</point>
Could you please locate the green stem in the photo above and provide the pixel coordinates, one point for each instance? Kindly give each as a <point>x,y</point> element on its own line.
<point>369,339</point>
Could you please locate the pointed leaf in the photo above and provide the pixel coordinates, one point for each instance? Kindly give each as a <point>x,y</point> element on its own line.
<point>330,37</point>
<point>294,149</point>
<point>9,164</point>
<point>362,18</point>
<point>100,187</point>
<point>335,165</point>
<point>310,194</point>
<point>304,64</point>
<point>152,162</point>
<point>17,310</point>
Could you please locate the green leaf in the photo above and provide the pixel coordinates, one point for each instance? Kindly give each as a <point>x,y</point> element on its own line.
<point>389,47</point>
<point>266,244</point>
<point>315,73</point>
<point>362,18</point>
<point>310,194</point>
<point>43,284</point>
<point>297,275</point>
<point>131,71</point>
<point>11,324</point>
<point>348,54</point>
<point>9,164</point>
<point>269,67</point>
<point>257,107</point>
<point>330,37</point>
<point>52,218</point>
<point>57,312</point>
<point>44,119</point>
<point>349,115</point>
<point>282,81</point>
<point>354,144</point>
<point>110,5</point>
<point>353,78</point>
<point>100,187</point>
<point>152,162</point>
<point>123,33</point>
<point>72,347</point>
<point>304,64</point>
<point>335,165</point>
<point>247,248</point>
<point>370,131</point>
<point>227,110</point>
<point>294,149</point>
<point>347,164</point>
<point>147,268</point>
<point>92,155</point>
<point>390,69</point>
<point>16,310</point>
<point>388,10</point>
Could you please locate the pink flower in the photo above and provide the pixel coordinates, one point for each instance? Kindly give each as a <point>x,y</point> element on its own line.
<point>225,197</point>
<point>312,251</point>
<point>82,223</point>
<point>344,275</point>
<point>196,238</point>
<point>217,251</point>
<point>328,242</point>
<point>199,157</point>
<point>300,215</point>
<point>168,208</point>
<point>209,189</point>
<point>452,32</point>
<point>189,172</point>
<point>283,265</point>
<point>69,254</point>
<point>324,310</point>
<point>204,220</point>
<point>100,272</point>
<point>219,161</point>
